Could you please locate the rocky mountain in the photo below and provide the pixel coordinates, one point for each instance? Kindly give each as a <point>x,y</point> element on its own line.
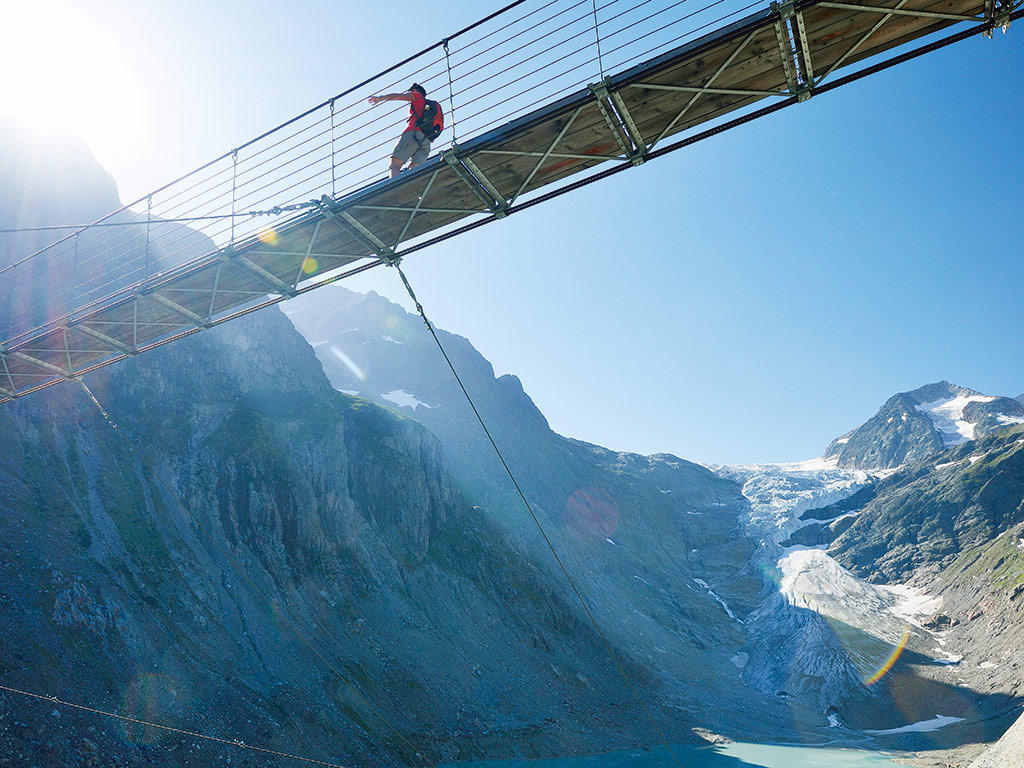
<point>913,425</point>
<point>253,555</point>
<point>256,557</point>
<point>656,536</point>
<point>815,655</point>
<point>49,180</point>
<point>278,563</point>
<point>953,527</point>
<point>933,551</point>
<point>312,547</point>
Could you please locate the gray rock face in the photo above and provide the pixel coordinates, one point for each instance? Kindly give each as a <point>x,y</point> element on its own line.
<point>323,575</point>
<point>641,533</point>
<point>1007,752</point>
<point>927,514</point>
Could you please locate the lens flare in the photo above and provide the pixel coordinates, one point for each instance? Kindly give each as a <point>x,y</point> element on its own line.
<point>591,513</point>
<point>349,363</point>
<point>153,698</point>
<point>310,265</point>
<point>268,235</point>
<point>891,661</point>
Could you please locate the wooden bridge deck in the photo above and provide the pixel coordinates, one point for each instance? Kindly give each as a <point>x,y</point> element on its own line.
<point>781,52</point>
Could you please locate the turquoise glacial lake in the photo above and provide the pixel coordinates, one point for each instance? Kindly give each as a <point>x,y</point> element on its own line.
<point>736,755</point>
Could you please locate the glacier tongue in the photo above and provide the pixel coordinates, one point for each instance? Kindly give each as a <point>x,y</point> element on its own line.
<point>812,579</point>
<point>836,628</point>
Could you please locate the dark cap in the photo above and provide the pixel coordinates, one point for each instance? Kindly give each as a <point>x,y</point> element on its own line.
<point>418,87</point>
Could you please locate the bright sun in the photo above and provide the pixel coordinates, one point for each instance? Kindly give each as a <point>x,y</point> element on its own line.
<point>64,73</point>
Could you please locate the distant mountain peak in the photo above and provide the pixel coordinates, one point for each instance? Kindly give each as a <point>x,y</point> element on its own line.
<point>913,425</point>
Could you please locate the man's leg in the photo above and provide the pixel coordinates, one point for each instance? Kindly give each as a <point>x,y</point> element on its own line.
<point>404,149</point>
<point>421,153</point>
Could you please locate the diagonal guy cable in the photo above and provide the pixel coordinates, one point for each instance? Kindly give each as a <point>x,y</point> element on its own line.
<point>636,693</point>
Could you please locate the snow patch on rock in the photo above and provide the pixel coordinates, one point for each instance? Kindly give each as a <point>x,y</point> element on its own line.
<point>401,398</point>
<point>948,417</point>
<point>939,721</point>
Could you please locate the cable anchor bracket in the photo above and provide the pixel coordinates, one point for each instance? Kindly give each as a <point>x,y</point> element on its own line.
<point>620,122</point>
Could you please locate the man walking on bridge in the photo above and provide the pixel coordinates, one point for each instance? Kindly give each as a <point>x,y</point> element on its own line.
<point>413,145</point>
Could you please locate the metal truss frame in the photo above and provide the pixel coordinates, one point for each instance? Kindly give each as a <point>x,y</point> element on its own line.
<point>320,245</point>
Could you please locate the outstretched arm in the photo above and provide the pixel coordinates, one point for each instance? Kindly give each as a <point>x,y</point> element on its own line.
<point>390,97</point>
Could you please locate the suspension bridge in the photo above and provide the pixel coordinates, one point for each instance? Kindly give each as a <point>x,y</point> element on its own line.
<point>541,98</point>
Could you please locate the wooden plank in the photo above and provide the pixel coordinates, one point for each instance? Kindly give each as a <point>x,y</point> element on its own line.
<point>831,32</point>
<point>757,67</point>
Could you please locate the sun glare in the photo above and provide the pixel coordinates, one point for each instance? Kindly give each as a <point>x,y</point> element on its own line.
<point>64,73</point>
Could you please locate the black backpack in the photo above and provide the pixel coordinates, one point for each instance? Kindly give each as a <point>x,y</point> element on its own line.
<point>431,122</point>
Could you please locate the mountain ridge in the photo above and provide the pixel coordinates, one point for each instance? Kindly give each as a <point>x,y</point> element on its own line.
<point>268,494</point>
<point>912,425</point>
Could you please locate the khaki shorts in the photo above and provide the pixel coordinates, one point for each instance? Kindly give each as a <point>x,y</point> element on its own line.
<point>412,145</point>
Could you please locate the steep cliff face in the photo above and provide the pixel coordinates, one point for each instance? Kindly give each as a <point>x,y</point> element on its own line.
<point>257,557</point>
<point>279,564</point>
<point>655,541</point>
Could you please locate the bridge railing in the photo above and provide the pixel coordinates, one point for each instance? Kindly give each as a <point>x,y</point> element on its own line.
<point>523,56</point>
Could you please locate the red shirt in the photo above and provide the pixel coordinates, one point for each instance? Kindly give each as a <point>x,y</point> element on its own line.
<point>416,107</point>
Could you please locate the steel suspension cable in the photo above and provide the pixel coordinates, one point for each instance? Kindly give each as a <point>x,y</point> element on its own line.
<point>533,515</point>
<point>528,58</point>
<point>157,222</point>
<point>451,93</point>
<point>181,731</point>
<point>265,134</point>
<point>333,164</point>
<point>688,33</point>
<point>520,47</point>
<point>491,34</point>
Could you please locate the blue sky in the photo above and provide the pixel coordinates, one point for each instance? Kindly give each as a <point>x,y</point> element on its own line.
<point>745,299</point>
